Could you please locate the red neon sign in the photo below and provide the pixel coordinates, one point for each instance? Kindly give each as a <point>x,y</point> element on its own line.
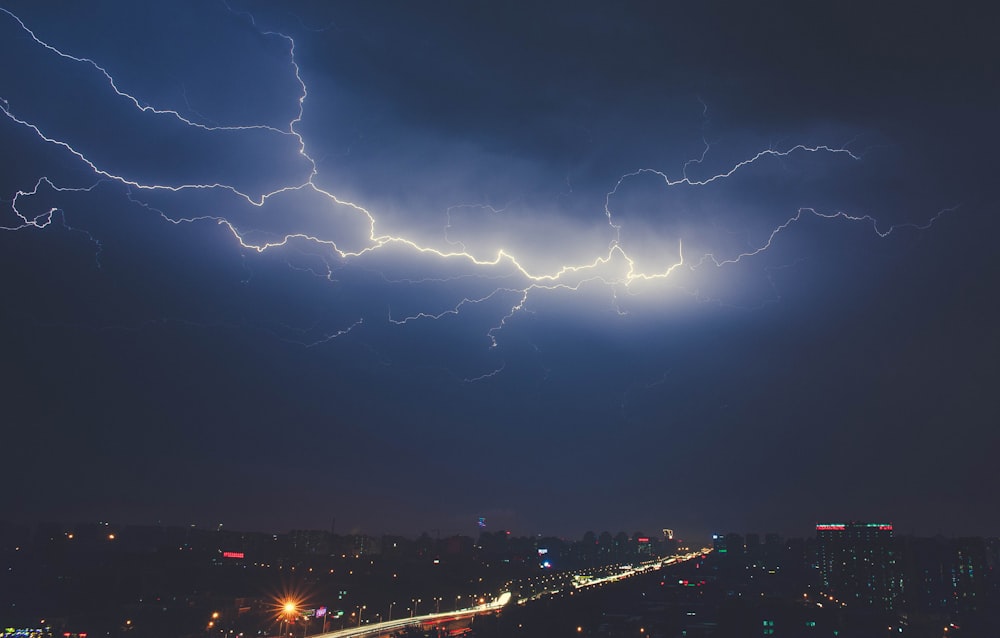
<point>233,555</point>
<point>841,526</point>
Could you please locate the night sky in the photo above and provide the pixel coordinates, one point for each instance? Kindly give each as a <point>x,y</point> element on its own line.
<point>566,266</point>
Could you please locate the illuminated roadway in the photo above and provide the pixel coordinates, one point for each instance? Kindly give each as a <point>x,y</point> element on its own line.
<point>535,588</point>
<point>392,625</point>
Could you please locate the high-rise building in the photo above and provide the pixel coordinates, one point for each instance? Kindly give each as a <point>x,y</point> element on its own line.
<point>858,562</point>
<point>719,544</point>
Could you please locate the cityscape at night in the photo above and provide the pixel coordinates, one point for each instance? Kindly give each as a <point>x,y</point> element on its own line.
<point>851,579</point>
<point>493,319</point>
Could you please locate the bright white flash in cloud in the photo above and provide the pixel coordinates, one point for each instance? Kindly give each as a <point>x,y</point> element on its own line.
<point>657,229</point>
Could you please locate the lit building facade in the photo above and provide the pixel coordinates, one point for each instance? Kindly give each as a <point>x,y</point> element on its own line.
<point>858,563</point>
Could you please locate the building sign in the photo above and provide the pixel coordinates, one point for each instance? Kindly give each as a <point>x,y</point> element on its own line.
<point>838,527</point>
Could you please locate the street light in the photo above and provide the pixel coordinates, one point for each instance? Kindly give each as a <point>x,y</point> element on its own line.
<point>361,609</point>
<point>390,609</point>
<point>287,611</point>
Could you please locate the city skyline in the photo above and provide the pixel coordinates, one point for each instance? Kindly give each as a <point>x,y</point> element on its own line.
<point>564,268</point>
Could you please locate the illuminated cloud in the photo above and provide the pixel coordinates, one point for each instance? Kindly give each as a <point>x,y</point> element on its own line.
<point>565,231</point>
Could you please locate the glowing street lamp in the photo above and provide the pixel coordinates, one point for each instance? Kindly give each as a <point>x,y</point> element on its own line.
<point>288,609</point>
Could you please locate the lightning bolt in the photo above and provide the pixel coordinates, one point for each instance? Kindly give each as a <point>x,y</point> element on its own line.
<point>614,268</point>
<point>487,375</point>
<point>44,219</point>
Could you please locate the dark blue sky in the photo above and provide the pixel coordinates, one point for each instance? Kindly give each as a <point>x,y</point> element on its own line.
<point>569,267</point>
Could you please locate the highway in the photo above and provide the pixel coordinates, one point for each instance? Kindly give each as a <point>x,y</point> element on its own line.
<point>549,584</point>
<point>559,583</point>
<point>389,626</point>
